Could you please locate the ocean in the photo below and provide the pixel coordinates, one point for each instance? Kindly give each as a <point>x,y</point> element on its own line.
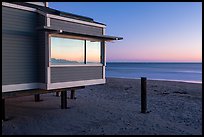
<point>186,72</point>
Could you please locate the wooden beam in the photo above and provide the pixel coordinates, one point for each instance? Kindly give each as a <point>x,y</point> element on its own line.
<point>63,99</point>
<point>57,94</point>
<point>3,116</point>
<point>37,98</point>
<point>14,94</point>
<point>24,93</point>
<point>143,95</point>
<point>72,96</point>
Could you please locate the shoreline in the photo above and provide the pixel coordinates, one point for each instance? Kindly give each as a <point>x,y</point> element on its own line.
<point>184,81</point>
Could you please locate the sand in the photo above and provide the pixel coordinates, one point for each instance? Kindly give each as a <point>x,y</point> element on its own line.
<point>110,109</point>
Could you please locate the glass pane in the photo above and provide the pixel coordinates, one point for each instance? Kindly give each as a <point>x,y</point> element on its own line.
<point>66,51</point>
<point>93,52</point>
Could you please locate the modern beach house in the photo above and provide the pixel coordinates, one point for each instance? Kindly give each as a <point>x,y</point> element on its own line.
<point>45,50</point>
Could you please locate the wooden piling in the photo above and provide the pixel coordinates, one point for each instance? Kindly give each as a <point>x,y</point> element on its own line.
<point>57,93</point>
<point>37,97</point>
<point>143,95</point>
<point>72,96</point>
<point>3,116</point>
<point>64,99</point>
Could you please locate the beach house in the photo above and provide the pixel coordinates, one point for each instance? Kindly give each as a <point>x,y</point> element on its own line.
<point>44,49</point>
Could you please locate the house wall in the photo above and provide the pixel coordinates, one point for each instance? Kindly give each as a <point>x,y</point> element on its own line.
<point>67,74</point>
<point>75,27</point>
<point>25,52</point>
<point>19,41</point>
<point>42,49</point>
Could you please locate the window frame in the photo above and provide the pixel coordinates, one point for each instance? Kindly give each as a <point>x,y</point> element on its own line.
<point>100,56</point>
<point>85,59</point>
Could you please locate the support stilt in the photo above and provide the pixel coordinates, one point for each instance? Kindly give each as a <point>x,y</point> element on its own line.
<point>37,97</point>
<point>143,95</point>
<point>64,99</point>
<point>72,96</point>
<point>57,94</point>
<point>3,110</point>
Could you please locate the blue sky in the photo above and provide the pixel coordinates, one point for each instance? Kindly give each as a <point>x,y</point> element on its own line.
<point>152,31</point>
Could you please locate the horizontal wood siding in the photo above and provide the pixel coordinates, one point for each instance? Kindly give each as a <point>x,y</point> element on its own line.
<point>19,42</point>
<point>67,74</point>
<point>75,27</point>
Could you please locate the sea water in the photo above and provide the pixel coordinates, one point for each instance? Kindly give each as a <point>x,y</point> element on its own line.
<point>187,72</point>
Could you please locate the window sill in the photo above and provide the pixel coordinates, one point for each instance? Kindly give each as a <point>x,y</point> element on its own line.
<point>77,65</point>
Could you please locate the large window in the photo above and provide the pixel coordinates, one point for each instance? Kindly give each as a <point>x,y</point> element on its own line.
<point>66,51</point>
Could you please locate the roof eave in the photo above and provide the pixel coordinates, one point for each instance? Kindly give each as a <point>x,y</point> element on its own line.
<point>100,37</point>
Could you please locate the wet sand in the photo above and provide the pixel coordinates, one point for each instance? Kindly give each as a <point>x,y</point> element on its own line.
<point>110,109</point>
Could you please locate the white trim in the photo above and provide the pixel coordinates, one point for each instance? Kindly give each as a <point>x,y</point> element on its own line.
<point>49,55</point>
<point>74,20</point>
<point>104,72</point>
<point>104,54</point>
<point>29,86</point>
<point>77,65</point>
<point>47,58</point>
<point>49,50</point>
<point>75,84</point>
<point>48,75</point>
<point>48,22</point>
<point>18,6</point>
<point>104,31</point>
<point>37,3</point>
<point>46,4</point>
<point>17,87</point>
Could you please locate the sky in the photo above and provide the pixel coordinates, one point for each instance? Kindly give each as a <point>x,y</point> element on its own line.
<point>151,31</point>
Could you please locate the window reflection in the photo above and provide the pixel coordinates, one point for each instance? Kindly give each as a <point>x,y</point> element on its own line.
<point>93,52</point>
<point>67,51</point>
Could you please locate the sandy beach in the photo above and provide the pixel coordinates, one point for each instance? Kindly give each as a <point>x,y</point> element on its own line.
<point>110,109</point>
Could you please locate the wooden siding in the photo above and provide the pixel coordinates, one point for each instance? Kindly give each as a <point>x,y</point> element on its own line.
<point>75,27</point>
<point>67,74</point>
<point>19,42</point>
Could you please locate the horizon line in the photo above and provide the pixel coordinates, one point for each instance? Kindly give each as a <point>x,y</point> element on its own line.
<point>150,62</point>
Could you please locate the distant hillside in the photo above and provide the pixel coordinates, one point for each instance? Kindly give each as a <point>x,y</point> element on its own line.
<point>62,61</point>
